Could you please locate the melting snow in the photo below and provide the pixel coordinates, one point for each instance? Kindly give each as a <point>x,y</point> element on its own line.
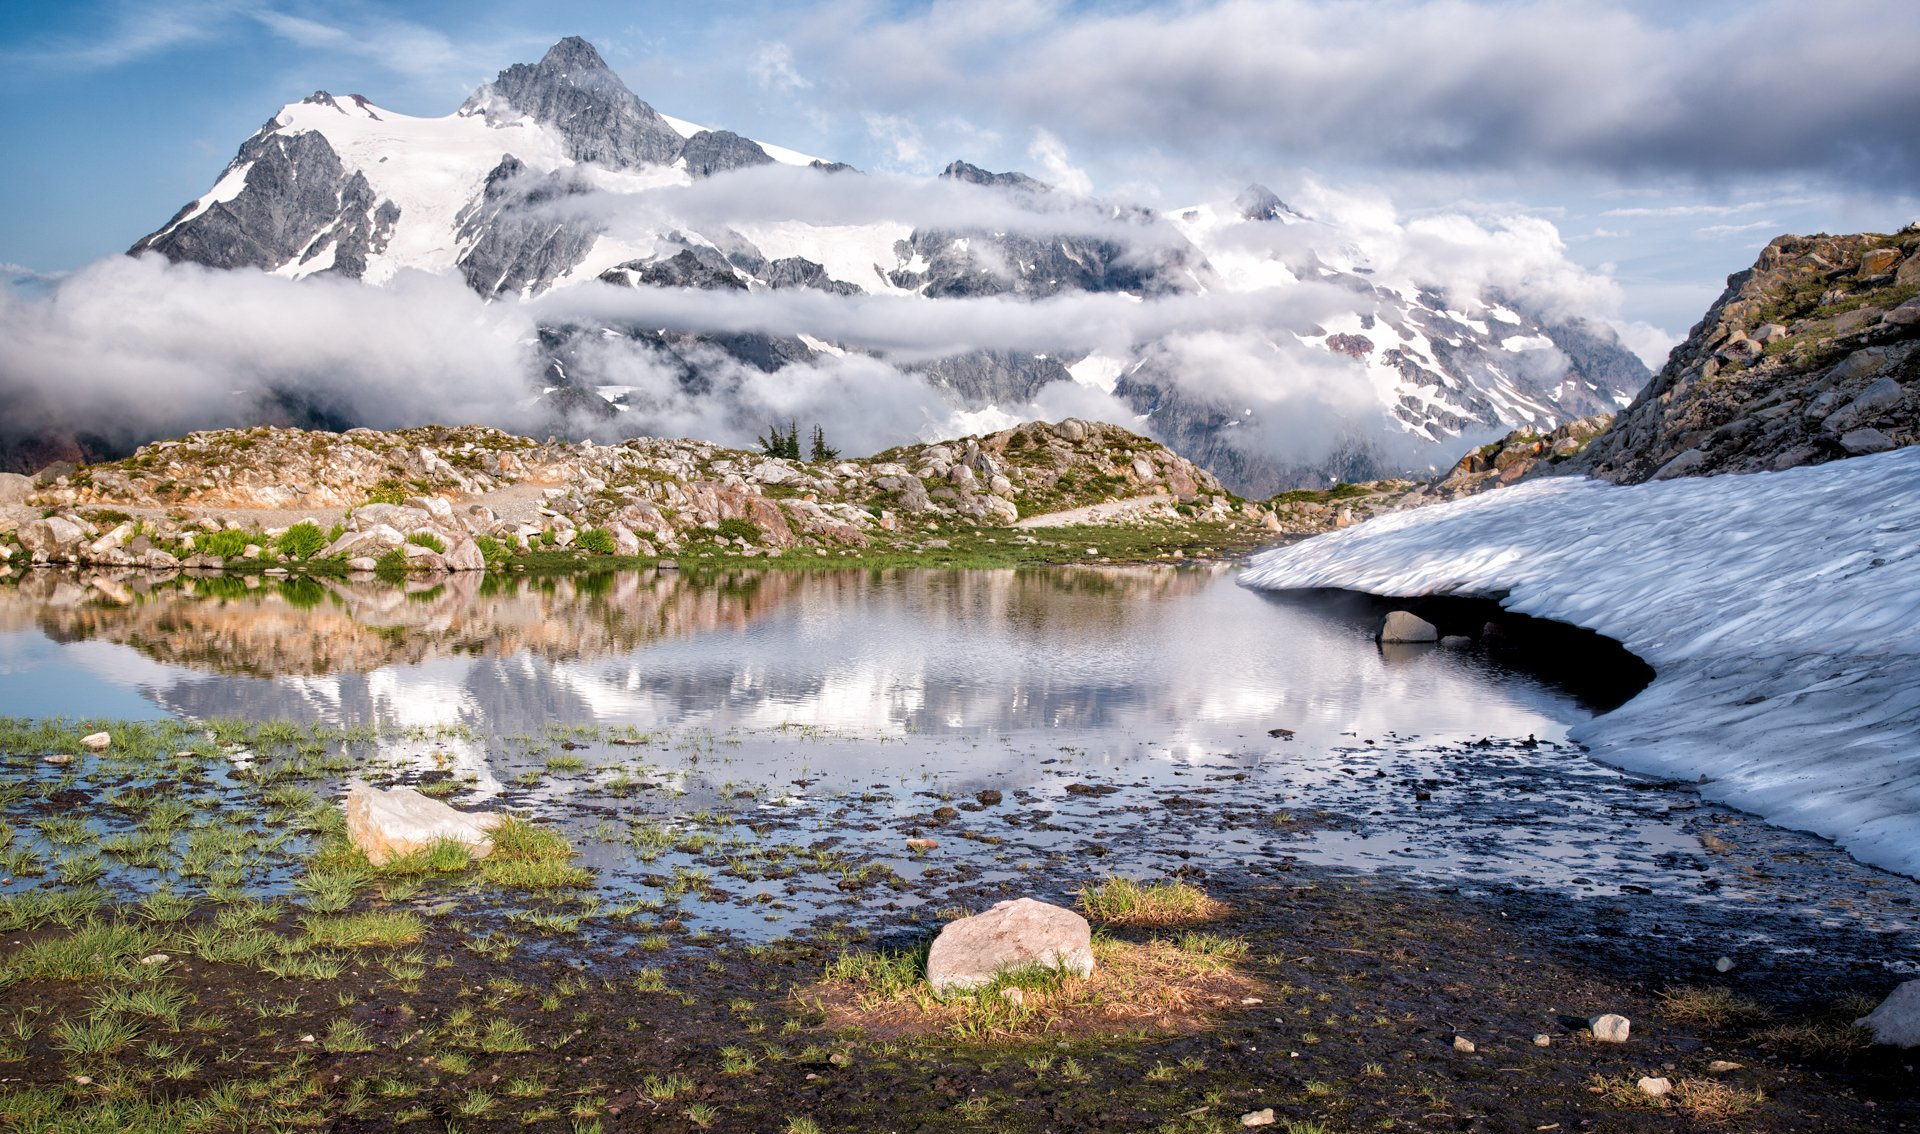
<point>1781,611</point>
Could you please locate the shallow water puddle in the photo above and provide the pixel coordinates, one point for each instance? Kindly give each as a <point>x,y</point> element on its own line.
<point>752,753</point>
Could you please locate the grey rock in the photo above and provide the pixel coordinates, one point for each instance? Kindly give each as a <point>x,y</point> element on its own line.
<point>717,151</point>
<point>796,271</point>
<point>1656,1087</point>
<point>1905,315</point>
<point>1859,364</point>
<point>517,247</point>
<point>1684,464</point>
<point>1456,641</point>
<point>992,377</point>
<point>974,175</point>
<point>298,200</point>
<point>50,537</point>
<point>1262,1117</point>
<point>14,488</point>
<point>1404,626</point>
<point>1258,203</point>
<point>1859,442</point>
<point>1015,934</point>
<point>1897,1020</point>
<point>573,90</point>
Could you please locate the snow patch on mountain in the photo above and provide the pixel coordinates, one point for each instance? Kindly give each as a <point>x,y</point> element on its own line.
<point>1781,612</point>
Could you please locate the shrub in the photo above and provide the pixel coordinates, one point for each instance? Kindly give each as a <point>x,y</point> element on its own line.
<point>227,544</point>
<point>492,550</point>
<point>739,529</point>
<point>429,541</point>
<point>301,541</point>
<point>599,541</point>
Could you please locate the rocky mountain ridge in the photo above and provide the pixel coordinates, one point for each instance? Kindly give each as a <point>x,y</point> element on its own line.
<point>497,194</point>
<point>1809,356</point>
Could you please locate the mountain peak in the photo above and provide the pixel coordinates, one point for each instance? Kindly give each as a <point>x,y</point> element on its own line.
<point>572,54</point>
<point>974,175</point>
<point>574,91</point>
<point>1258,203</point>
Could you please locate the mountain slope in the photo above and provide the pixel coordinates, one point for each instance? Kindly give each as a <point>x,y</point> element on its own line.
<point>1337,352</point>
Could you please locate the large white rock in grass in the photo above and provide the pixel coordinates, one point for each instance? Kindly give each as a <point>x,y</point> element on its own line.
<point>1405,626</point>
<point>400,821</point>
<point>1018,934</point>
<point>1897,1020</point>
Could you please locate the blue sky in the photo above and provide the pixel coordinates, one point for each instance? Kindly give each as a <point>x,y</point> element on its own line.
<point>1668,143</point>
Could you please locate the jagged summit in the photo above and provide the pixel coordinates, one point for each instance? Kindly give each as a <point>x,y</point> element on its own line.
<point>573,91</point>
<point>974,175</point>
<point>1258,203</point>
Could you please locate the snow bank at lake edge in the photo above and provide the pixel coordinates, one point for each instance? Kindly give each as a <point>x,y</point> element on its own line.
<point>1781,611</point>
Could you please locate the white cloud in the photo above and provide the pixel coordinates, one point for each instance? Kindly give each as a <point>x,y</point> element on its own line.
<point>1051,153</point>
<point>773,69</point>
<point>905,144</point>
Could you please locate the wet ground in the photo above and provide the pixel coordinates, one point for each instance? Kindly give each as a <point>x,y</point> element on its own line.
<point>1410,851</point>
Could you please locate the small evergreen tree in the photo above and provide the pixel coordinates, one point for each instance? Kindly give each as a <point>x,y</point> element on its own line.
<point>821,450</point>
<point>782,444</point>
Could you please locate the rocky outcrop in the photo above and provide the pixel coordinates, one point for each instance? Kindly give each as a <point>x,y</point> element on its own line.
<point>296,204</point>
<point>717,151</point>
<point>1518,455</point>
<point>445,499</point>
<point>1809,356</point>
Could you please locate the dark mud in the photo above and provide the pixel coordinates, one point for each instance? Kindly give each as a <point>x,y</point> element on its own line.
<point>1522,891</point>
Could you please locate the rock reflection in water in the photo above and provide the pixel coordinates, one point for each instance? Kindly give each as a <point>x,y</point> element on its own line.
<point>1112,663</point>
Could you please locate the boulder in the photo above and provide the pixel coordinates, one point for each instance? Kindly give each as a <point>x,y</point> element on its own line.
<point>1904,315</point>
<point>1015,934</point>
<point>401,821</point>
<point>1610,1028</point>
<point>1897,1020</point>
<point>1403,626</point>
<point>53,536</point>
<point>465,555</point>
<point>1681,465</point>
<point>97,741</point>
<point>1860,442</point>
<point>14,488</point>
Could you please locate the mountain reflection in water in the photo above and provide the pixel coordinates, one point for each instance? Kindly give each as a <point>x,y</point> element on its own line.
<point>1177,654</point>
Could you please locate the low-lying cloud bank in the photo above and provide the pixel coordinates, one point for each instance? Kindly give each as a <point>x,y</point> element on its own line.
<point>131,349</point>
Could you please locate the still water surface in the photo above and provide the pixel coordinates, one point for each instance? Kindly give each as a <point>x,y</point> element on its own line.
<point>1126,716</point>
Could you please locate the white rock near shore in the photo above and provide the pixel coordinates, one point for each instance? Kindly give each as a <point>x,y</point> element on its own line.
<point>1897,1020</point>
<point>400,821</point>
<point>1015,934</point>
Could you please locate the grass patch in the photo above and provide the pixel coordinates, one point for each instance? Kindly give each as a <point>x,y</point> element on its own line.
<point>1710,1007</point>
<point>1152,987</point>
<point>527,857</point>
<point>371,929</point>
<point>1122,901</point>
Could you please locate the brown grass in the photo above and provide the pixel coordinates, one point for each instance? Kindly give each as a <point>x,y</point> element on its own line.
<point>1713,1100</point>
<point>1710,1007</point>
<point>1159,986</point>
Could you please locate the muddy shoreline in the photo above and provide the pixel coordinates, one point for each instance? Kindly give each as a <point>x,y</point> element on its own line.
<point>678,989</point>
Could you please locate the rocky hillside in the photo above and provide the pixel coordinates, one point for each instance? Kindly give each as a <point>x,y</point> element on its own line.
<point>1809,356</point>
<point>461,498</point>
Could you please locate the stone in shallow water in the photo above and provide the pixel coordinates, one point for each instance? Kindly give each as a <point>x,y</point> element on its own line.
<point>401,821</point>
<point>98,741</point>
<point>1897,1020</point>
<point>1403,626</point>
<point>1016,934</point>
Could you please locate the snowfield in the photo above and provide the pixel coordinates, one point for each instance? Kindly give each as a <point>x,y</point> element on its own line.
<point>1780,610</point>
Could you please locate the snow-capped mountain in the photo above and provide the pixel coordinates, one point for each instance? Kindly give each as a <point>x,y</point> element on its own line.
<point>1275,347</point>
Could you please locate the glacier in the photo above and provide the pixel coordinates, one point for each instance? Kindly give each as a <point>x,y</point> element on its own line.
<point>1780,611</point>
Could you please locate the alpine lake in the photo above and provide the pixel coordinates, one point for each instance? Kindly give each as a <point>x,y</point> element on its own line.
<point>1346,885</point>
